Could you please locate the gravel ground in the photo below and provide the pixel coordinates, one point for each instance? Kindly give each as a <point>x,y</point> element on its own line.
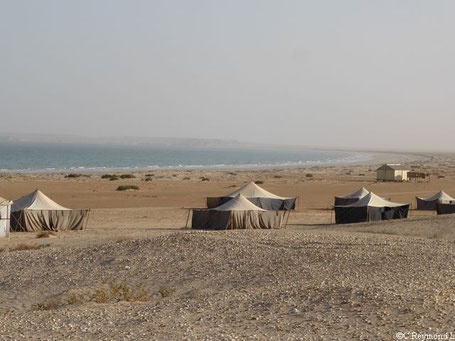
<point>286,285</point>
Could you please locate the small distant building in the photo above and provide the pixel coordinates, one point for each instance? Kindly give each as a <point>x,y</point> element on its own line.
<point>392,172</point>
<point>417,176</point>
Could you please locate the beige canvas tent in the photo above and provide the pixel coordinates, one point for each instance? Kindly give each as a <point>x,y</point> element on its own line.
<point>258,196</point>
<point>238,213</point>
<point>430,204</point>
<point>37,212</point>
<point>370,208</point>
<point>5,211</point>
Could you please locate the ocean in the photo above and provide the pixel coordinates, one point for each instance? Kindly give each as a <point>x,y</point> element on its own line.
<point>27,157</point>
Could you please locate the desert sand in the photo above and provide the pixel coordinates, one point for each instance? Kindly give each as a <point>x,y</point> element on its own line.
<point>136,273</point>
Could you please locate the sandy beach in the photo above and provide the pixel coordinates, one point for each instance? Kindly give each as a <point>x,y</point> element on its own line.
<point>137,273</point>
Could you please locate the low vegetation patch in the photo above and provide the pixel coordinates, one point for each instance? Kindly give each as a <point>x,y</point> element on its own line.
<point>127,188</point>
<point>186,178</point>
<point>122,240</point>
<point>309,175</point>
<point>166,292</point>
<point>23,247</point>
<point>259,182</point>
<point>110,177</point>
<point>107,293</point>
<point>46,234</point>
<point>127,176</point>
<point>277,176</point>
<point>117,292</point>
<point>204,179</point>
<point>74,175</point>
<point>148,179</point>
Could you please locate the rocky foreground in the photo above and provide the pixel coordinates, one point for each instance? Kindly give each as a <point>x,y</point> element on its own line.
<point>277,285</point>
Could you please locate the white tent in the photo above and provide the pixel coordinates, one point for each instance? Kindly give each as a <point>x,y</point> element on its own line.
<point>239,203</point>
<point>351,198</point>
<point>36,200</point>
<point>5,211</point>
<point>373,200</point>
<point>430,204</point>
<point>238,213</point>
<point>251,190</point>
<point>370,208</point>
<point>36,212</point>
<point>258,196</point>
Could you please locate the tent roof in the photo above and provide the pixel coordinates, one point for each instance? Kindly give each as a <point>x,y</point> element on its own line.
<point>372,200</point>
<point>252,190</point>
<point>36,201</point>
<point>394,166</point>
<point>439,196</point>
<point>4,202</point>
<point>358,194</point>
<point>239,203</point>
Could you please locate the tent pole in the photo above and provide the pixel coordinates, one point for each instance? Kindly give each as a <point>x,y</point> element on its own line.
<point>88,216</point>
<point>286,223</point>
<point>187,218</point>
<point>8,216</point>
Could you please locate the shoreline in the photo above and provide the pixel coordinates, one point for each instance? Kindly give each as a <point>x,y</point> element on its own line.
<point>369,158</point>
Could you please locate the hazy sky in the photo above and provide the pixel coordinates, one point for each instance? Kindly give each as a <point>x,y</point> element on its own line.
<point>345,73</point>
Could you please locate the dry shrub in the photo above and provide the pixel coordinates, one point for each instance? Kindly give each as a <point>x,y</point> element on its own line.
<point>22,247</point>
<point>46,234</point>
<point>74,175</point>
<point>127,176</point>
<point>127,188</point>
<point>122,239</point>
<point>116,292</point>
<point>52,303</point>
<point>111,292</point>
<point>166,292</point>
